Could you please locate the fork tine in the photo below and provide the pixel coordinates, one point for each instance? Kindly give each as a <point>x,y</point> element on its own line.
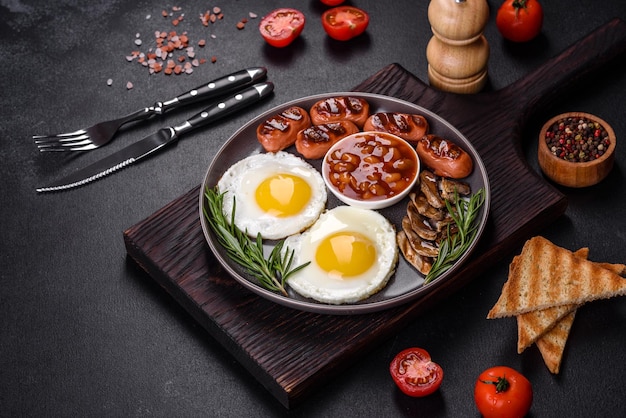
<point>81,140</point>
<point>80,143</point>
<point>67,147</point>
<point>72,141</point>
<point>63,135</point>
<point>88,138</point>
<point>62,140</point>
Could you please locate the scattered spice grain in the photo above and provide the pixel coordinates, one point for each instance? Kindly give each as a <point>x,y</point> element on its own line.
<point>171,52</point>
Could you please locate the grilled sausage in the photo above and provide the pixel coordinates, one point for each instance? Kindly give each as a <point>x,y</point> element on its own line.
<point>333,109</point>
<point>279,131</point>
<point>314,141</point>
<point>444,157</point>
<point>407,126</point>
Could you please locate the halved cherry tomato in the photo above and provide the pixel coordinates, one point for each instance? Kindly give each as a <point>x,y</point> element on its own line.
<point>503,392</point>
<point>280,27</point>
<point>519,20</point>
<point>332,2</point>
<point>414,372</point>
<point>345,22</point>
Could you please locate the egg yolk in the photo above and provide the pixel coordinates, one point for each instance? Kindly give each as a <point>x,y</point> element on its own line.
<point>345,254</point>
<point>283,195</point>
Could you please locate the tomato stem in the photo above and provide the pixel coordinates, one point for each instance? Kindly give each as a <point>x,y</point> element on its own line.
<point>517,5</point>
<point>501,384</point>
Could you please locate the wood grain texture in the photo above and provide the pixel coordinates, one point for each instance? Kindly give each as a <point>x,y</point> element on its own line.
<point>291,352</point>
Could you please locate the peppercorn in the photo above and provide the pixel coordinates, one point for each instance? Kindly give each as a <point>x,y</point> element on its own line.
<point>577,139</point>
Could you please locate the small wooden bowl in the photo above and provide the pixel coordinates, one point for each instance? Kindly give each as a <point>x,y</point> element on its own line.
<point>575,174</point>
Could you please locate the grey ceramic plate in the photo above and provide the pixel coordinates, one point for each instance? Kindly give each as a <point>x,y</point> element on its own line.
<point>407,283</point>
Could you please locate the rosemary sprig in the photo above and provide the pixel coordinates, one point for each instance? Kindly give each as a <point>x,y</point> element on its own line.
<point>271,272</point>
<point>463,213</point>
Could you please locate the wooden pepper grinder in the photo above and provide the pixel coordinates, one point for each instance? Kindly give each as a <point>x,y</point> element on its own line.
<point>458,52</point>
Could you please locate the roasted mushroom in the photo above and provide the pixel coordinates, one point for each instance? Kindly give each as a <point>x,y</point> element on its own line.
<point>422,264</point>
<point>448,187</point>
<point>420,224</point>
<point>421,246</point>
<point>428,186</point>
<point>428,222</point>
<point>424,208</point>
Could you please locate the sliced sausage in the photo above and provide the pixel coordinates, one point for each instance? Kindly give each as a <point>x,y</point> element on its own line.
<point>333,109</point>
<point>314,141</point>
<point>280,131</point>
<point>407,126</point>
<point>444,157</point>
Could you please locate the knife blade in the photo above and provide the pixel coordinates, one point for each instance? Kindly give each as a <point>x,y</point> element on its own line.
<point>158,140</point>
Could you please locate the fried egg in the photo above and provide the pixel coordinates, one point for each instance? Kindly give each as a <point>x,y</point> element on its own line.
<point>275,194</point>
<point>352,254</point>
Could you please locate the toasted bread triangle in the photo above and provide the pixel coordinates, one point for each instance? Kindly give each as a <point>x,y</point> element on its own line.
<point>552,344</point>
<point>545,275</point>
<point>532,325</point>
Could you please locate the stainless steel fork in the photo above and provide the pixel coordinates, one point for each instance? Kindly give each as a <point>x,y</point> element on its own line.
<point>103,132</point>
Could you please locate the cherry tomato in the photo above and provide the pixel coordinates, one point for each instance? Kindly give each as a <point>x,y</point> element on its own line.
<point>345,22</point>
<point>503,392</point>
<point>414,372</point>
<point>332,2</point>
<point>280,27</point>
<point>519,20</point>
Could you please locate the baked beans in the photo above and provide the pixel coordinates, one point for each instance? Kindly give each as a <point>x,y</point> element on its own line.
<point>371,166</point>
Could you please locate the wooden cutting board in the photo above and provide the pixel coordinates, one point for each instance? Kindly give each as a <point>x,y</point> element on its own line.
<point>291,352</point>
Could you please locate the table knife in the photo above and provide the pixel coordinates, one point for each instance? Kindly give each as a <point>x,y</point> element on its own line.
<point>158,140</point>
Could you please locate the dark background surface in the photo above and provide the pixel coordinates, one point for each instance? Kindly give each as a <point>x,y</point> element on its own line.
<point>84,331</point>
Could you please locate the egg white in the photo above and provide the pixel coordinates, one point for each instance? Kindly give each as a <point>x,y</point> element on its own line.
<point>315,283</point>
<point>242,179</point>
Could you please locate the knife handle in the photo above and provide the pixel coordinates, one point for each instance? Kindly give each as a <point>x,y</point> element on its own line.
<point>214,88</point>
<point>225,107</point>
